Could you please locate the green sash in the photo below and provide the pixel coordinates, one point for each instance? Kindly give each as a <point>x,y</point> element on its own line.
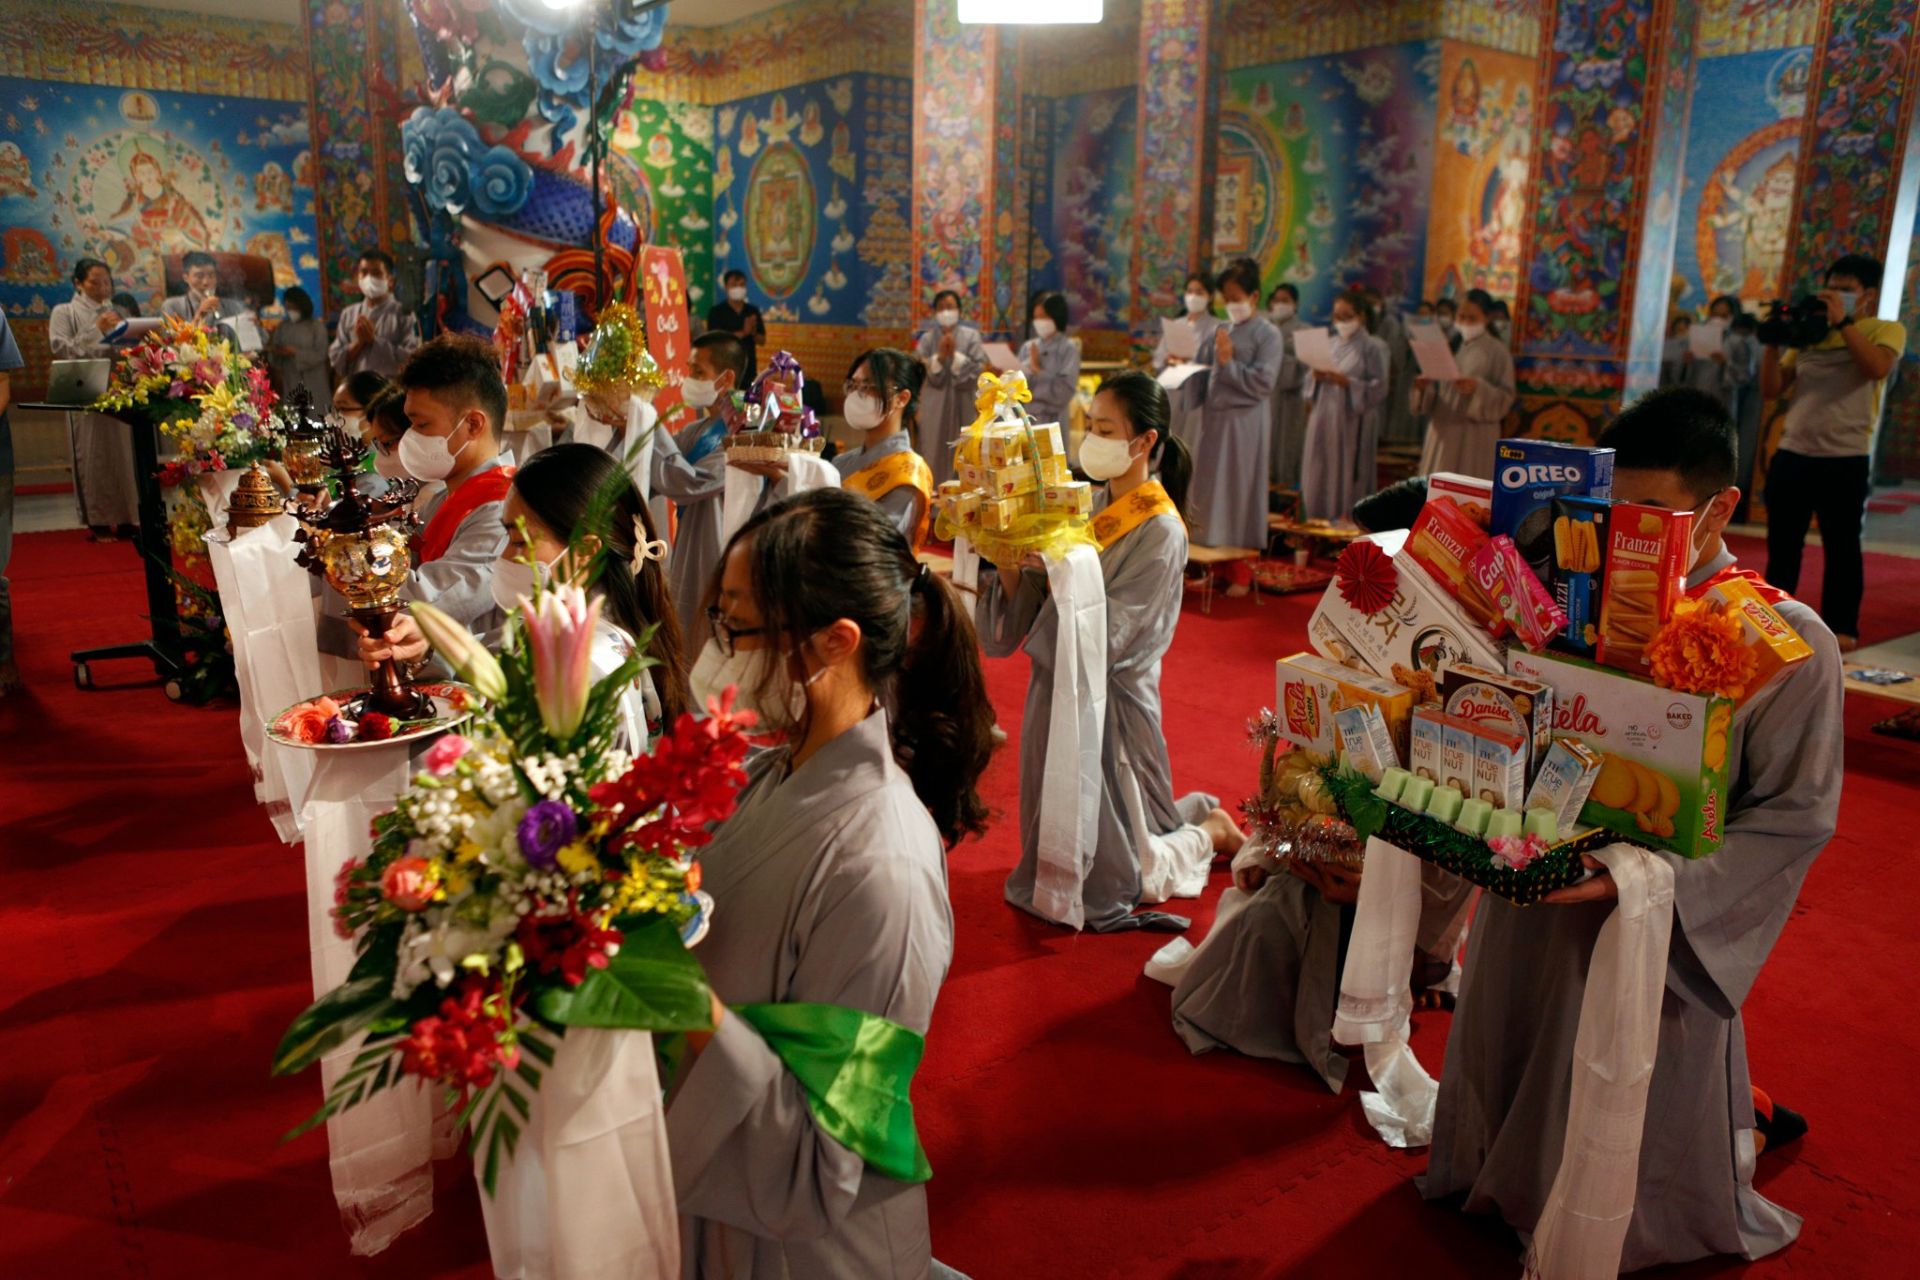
<point>857,1069</point>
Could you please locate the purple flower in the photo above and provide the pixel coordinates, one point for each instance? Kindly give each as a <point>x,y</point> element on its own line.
<point>340,729</point>
<point>547,828</point>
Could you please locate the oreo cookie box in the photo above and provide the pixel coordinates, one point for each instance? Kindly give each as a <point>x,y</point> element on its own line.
<point>1663,755</point>
<point>1420,629</point>
<point>1527,476</point>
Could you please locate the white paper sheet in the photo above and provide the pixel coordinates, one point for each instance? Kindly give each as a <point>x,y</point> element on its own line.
<point>1183,340</point>
<point>1429,343</point>
<point>246,331</point>
<point>1707,339</point>
<point>1175,375</point>
<point>1313,347</point>
<point>1002,356</point>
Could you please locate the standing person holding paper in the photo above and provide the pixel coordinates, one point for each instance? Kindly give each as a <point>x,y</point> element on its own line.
<point>1147,846</point>
<point>1347,379</point>
<point>1236,433</point>
<point>954,356</point>
<point>1467,411</point>
<point>1289,410</point>
<point>1051,362</point>
<point>84,328</point>
<point>1723,360</point>
<point>1181,340</point>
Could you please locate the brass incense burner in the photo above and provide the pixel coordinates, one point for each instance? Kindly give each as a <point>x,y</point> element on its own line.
<point>256,500</point>
<point>306,439</point>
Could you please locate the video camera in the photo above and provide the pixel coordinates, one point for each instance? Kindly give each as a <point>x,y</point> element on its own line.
<point>1800,323</point>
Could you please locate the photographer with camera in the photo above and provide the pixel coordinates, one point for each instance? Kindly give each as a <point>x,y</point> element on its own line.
<point>1834,375</point>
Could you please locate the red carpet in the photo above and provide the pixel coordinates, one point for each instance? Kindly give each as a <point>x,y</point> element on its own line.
<point>153,943</point>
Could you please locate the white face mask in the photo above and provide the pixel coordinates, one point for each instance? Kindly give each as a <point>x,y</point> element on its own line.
<point>1043,329</point>
<point>1239,312</point>
<point>698,392</point>
<point>513,579</point>
<point>863,411</point>
<point>427,457</point>
<point>1849,301</point>
<point>1445,323</point>
<point>1283,311</point>
<point>745,671</point>
<point>947,319</point>
<point>374,287</point>
<point>1103,457</point>
<point>1469,330</point>
<point>353,422</point>
<point>1346,328</point>
<point>389,465</point>
<point>1197,302</point>
<point>737,293</point>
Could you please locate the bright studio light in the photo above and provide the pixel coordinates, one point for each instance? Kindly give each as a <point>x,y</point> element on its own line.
<point>1034,12</point>
<point>564,6</point>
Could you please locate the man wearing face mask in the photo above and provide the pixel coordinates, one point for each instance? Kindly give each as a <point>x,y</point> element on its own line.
<point>690,468</point>
<point>1505,1094</point>
<point>734,315</point>
<point>455,405</point>
<point>954,355</point>
<point>201,303</point>
<point>1289,410</point>
<point>1824,466</point>
<point>375,333</point>
<point>883,390</point>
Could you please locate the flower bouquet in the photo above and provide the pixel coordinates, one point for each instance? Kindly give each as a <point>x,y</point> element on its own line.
<point>203,394</point>
<point>534,877</point>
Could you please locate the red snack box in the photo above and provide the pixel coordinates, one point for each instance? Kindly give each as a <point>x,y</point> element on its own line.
<point>1443,542</point>
<point>1647,553</point>
<point>1503,573</point>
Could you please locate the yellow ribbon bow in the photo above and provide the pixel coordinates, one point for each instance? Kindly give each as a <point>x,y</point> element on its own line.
<point>997,391</point>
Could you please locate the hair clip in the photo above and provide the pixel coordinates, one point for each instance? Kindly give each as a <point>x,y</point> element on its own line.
<point>645,548</point>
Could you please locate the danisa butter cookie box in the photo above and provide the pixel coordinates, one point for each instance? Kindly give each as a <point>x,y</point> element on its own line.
<point>1663,755</point>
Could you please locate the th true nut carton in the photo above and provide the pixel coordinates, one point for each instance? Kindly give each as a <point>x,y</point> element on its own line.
<point>1527,476</point>
<point>1663,755</point>
<point>1309,689</point>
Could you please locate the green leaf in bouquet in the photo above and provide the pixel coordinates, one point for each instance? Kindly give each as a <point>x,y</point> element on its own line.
<point>652,984</point>
<point>332,1020</point>
<point>373,1069</point>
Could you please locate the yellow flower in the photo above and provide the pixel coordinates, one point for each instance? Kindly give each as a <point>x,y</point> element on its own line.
<point>466,852</point>
<point>220,400</point>
<point>577,858</point>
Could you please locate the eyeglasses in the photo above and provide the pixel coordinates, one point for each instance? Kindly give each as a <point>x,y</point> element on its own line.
<point>856,388</point>
<point>725,634</point>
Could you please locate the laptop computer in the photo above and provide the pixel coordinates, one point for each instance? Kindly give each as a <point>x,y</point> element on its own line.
<point>77,382</point>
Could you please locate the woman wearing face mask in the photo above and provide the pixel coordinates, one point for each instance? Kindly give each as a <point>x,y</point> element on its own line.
<point>883,390</point>
<point>299,354</point>
<point>1187,399</point>
<point>1724,372</point>
<point>954,356</point>
<point>1289,410</point>
<point>1051,362</point>
<point>578,492</point>
<point>351,398</point>
<point>833,876</point>
<point>1337,465</point>
<point>1467,413</point>
<point>1231,466</point>
<point>1445,314</point>
<point>1148,847</point>
<point>689,466</point>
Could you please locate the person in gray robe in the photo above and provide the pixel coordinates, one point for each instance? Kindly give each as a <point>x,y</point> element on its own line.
<point>882,402</point>
<point>1051,361</point>
<point>1676,355</point>
<point>1289,410</point>
<point>689,466</point>
<point>954,356</point>
<point>376,332</point>
<point>1229,505</point>
<point>904,504</point>
<point>1501,1118</point>
<point>460,582</point>
<point>299,351</point>
<point>1722,374</point>
<point>1467,416</point>
<point>1190,397</point>
<point>1396,414</point>
<point>78,329</point>
<point>1337,465</point>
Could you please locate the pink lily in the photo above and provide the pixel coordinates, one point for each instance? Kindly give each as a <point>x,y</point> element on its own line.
<point>560,628</point>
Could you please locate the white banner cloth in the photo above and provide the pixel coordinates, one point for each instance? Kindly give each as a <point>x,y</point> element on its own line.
<point>1070,791</point>
<point>804,471</point>
<point>1376,996</point>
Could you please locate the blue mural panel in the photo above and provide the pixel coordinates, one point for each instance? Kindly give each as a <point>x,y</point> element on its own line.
<point>1083,206</point>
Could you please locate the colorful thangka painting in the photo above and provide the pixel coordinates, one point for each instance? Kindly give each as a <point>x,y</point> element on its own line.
<point>1323,171</point>
<point>131,175</point>
<point>1736,212</point>
<point>1086,218</point>
<point>1481,158</point>
<point>661,163</point>
<point>809,190</point>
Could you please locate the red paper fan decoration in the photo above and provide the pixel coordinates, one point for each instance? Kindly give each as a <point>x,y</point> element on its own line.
<point>1366,577</point>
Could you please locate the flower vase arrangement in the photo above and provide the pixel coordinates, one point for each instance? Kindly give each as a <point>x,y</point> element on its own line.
<point>205,395</point>
<point>533,877</point>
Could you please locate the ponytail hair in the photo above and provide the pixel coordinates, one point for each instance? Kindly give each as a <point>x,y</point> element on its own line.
<point>577,490</point>
<point>828,554</point>
<point>893,371</point>
<point>1147,408</point>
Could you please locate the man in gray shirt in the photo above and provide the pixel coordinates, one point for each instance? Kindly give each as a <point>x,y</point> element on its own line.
<point>201,303</point>
<point>376,333</point>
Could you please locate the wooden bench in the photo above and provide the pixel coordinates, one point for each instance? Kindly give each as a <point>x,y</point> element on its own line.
<point>1210,557</point>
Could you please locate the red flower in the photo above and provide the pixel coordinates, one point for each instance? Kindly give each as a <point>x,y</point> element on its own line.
<point>1366,577</point>
<point>342,887</point>
<point>670,797</point>
<point>375,727</point>
<point>568,945</point>
<point>460,1046</point>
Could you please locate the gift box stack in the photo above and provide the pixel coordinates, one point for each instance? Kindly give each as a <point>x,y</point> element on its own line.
<point>1013,487</point>
<point>1522,675</point>
<point>770,419</point>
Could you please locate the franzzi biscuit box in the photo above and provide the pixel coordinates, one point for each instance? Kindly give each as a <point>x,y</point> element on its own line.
<point>1420,631</point>
<point>1663,755</point>
<point>1308,690</point>
<point>1527,476</point>
<point>1646,566</point>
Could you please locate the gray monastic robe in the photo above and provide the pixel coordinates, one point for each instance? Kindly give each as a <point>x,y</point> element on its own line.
<point>1186,401</point>
<point>1053,374</point>
<point>1142,572</point>
<point>1722,380</point>
<point>946,400</point>
<point>696,489</point>
<point>1337,464</point>
<point>1501,1119</point>
<point>1464,429</point>
<point>102,445</point>
<point>1395,416</point>
<point>1229,503</point>
<point>396,336</point>
<point>1289,410</point>
<point>903,504</point>
<point>830,887</point>
<point>460,583</point>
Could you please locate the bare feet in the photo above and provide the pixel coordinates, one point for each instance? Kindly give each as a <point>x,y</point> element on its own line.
<point>1226,836</point>
<point>1238,589</point>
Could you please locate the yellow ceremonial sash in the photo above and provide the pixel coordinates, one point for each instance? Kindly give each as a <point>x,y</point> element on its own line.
<point>891,472</point>
<point>1129,513</point>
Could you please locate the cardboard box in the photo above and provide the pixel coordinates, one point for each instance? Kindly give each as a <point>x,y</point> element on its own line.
<point>1663,755</point>
<point>1582,531</point>
<point>1502,574</point>
<point>1772,638</point>
<point>1528,475</point>
<point>1456,754</point>
<point>1075,496</point>
<point>1471,494</point>
<point>1005,444</point>
<point>1309,689</point>
<point>1647,557</point>
<point>1501,700</point>
<point>1421,630</point>
<point>1365,738</point>
<point>1443,542</point>
<point>1016,478</point>
<point>1499,765</point>
<point>1426,730</point>
<point>1565,780</point>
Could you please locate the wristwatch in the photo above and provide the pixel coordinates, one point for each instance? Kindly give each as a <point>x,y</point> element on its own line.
<point>1844,321</point>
